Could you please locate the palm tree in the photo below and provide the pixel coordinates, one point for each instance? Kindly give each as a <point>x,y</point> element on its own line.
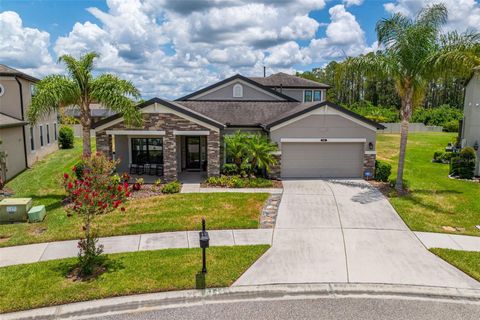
<point>260,152</point>
<point>236,147</point>
<point>415,52</point>
<point>79,88</point>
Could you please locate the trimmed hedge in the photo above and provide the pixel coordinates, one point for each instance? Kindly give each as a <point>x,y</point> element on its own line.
<point>463,165</point>
<point>65,137</point>
<point>382,171</point>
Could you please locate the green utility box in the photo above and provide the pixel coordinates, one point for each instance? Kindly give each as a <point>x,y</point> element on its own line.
<point>37,213</point>
<point>14,209</point>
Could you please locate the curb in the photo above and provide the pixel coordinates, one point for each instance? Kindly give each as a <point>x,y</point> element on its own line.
<point>175,299</point>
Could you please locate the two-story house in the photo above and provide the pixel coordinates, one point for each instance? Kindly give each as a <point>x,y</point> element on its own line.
<point>316,138</point>
<point>24,143</point>
<point>470,129</point>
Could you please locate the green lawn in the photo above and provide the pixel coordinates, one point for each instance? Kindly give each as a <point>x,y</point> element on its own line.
<point>434,199</point>
<point>467,261</point>
<point>162,213</point>
<point>45,283</point>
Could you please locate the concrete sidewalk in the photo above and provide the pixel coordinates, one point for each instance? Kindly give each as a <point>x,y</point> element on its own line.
<point>141,242</point>
<point>449,241</point>
<point>346,231</point>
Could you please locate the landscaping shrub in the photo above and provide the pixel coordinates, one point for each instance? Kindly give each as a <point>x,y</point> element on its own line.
<point>451,126</point>
<point>230,169</point>
<point>78,169</point>
<point>438,155</point>
<point>438,116</point>
<point>463,165</point>
<point>65,137</point>
<point>239,182</point>
<point>374,113</point>
<point>382,171</point>
<point>172,187</point>
<point>251,153</point>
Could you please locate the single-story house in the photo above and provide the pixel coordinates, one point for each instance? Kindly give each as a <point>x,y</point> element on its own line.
<point>316,138</point>
<point>470,126</point>
<point>24,143</point>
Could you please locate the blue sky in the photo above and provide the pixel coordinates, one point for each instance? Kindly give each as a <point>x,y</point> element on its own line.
<point>168,48</point>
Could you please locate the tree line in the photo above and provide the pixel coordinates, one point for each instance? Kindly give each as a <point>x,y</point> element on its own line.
<point>351,86</point>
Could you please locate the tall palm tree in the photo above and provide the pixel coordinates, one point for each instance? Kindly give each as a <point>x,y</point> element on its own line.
<point>416,51</point>
<point>79,88</point>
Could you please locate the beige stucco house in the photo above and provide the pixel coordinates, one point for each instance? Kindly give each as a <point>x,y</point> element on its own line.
<point>24,143</point>
<point>470,130</point>
<point>316,138</point>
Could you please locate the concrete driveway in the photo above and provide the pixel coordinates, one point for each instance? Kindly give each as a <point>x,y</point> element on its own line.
<point>346,231</point>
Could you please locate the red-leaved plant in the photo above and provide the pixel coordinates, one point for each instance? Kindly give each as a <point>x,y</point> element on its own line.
<point>94,193</point>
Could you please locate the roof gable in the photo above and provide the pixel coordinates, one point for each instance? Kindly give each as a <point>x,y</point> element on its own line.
<point>305,108</point>
<point>7,71</point>
<point>276,96</point>
<point>172,105</point>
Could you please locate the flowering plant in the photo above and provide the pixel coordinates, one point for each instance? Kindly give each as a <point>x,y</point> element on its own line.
<point>93,194</point>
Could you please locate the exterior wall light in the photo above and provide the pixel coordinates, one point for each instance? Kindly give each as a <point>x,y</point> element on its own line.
<point>475,146</point>
<point>370,146</point>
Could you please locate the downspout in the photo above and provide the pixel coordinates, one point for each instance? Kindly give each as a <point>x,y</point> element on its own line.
<point>23,119</point>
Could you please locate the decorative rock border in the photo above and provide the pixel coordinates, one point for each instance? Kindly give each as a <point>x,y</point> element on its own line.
<point>268,217</point>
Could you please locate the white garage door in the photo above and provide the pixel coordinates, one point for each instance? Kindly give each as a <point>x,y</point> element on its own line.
<point>322,160</point>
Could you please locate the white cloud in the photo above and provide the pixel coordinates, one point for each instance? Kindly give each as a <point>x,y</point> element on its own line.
<point>21,46</point>
<point>169,48</point>
<point>350,3</point>
<point>462,14</point>
<point>344,37</point>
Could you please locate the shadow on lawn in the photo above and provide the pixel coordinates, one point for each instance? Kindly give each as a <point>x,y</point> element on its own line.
<point>433,208</point>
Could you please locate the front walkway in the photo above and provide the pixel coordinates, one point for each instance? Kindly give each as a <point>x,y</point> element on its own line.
<point>346,231</point>
<point>141,242</point>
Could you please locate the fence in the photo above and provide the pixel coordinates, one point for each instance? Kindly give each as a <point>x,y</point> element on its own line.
<point>412,127</point>
<point>77,130</point>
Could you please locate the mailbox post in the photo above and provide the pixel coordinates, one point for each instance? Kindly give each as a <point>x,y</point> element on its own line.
<point>204,244</point>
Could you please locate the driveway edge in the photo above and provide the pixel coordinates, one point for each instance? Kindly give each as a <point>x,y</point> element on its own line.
<point>165,300</point>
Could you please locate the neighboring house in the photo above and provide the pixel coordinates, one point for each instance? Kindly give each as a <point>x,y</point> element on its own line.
<point>315,138</point>
<point>23,143</point>
<point>97,112</point>
<point>470,128</point>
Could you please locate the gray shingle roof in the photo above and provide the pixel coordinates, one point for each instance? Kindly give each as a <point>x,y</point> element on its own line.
<point>284,80</point>
<point>8,71</point>
<point>240,113</point>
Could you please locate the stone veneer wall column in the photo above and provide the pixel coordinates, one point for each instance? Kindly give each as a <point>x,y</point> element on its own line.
<point>169,156</point>
<point>369,164</point>
<point>213,154</point>
<point>276,170</point>
<point>104,143</point>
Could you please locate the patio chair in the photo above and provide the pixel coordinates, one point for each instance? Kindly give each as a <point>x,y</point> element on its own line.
<point>133,168</point>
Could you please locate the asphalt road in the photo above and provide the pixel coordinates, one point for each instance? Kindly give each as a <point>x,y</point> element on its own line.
<point>320,308</point>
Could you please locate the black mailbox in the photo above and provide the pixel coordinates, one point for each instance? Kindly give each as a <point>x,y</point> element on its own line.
<point>204,239</point>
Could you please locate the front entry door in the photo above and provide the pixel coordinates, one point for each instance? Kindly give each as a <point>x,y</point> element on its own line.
<point>193,152</point>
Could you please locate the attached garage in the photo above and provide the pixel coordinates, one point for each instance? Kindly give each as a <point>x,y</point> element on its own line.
<point>322,160</point>
<point>324,141</point>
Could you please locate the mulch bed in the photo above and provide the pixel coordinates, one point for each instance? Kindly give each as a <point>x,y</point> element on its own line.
<point>386,189</point>
<point>146,191</point>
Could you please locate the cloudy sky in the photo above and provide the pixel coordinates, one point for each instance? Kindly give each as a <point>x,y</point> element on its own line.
<point>169,48</point>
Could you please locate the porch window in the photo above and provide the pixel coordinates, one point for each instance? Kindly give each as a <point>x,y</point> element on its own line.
<point>147,150</point>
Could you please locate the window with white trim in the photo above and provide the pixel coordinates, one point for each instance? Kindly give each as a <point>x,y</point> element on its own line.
<point>237,91</point>
<point>312,95</point>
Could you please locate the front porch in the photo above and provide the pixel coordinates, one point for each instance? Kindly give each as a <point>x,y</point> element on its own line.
<point>166,155</point>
